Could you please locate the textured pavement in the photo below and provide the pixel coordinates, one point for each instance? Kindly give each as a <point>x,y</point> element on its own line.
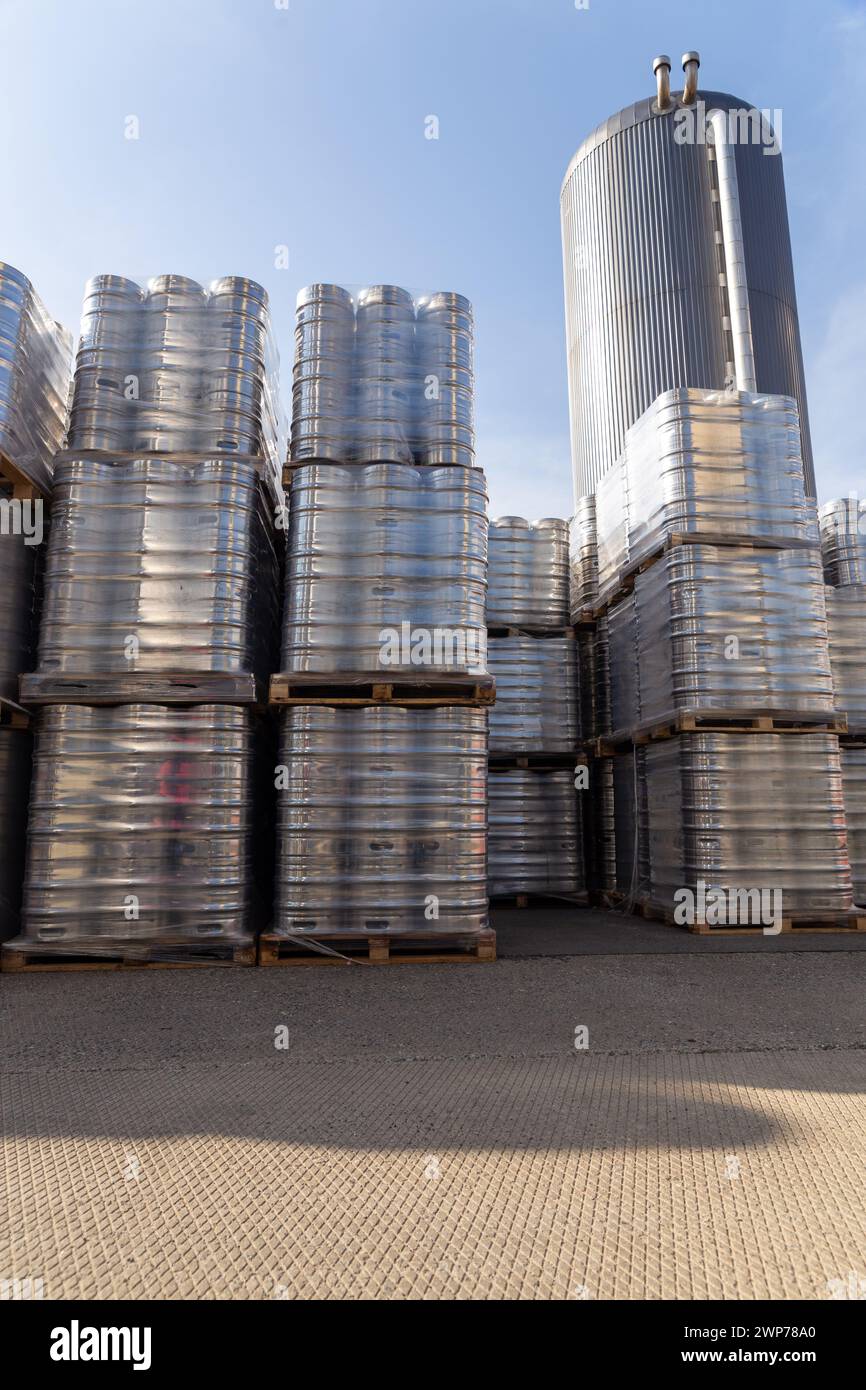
<point>432,1132</point>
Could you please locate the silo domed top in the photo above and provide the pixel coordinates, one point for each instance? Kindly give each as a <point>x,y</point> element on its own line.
<point>647,110</point>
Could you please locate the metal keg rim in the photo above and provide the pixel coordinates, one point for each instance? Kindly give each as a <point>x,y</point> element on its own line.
<point>385,296</point>
<point>238,285</point>
<point>449,300</point>
<point>178,284</point>
<point>323,292</point>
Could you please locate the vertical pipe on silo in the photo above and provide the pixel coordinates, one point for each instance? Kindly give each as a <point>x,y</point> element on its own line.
<point>735,257</point>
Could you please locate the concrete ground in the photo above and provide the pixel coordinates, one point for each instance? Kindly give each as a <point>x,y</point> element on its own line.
<point>433,1132</point>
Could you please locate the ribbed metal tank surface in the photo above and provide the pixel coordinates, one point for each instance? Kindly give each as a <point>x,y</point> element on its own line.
<point>16,751</point>
<point>140,825</point>
<point>382,824</point>
<point>854,788</point>
<point>732,627</point>
<point>535,840</point>
<point>159,566</point>
<point>18,563</point>
<point>528,574</point>
<point>749,811</point>
<point>381,550</point>
<point>846,621</point>
<point>537,704</point>
<point>843,541</point>
<point>643,306</point>
<point>583,556</point>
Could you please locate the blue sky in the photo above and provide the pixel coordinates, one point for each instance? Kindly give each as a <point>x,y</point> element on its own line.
<point>304,126</point>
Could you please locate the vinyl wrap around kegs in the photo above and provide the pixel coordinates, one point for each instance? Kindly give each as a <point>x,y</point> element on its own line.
<point>145,830</point>
<point>631,824</point>
<point>602,843</point>
<point>536,825</point>
<point>740,626</point>
<point>382,808</point>
<point>528,575</point>
<point>624,674</point>
<point>378,553</point>
<point>15,760</point>
<point>749,811</point>
<point>721,464</point>
<point>159,566</point>
<point>19,564</point>
<point>846,621</point>
<point>843,541</point>
<point>35,362</point>
<point>141,826</point>
<point>382,825</point>
<point>382,377</point>
<point>173,367</point>
<point>729,627</point>
<point>854,792</point>
<point>535,834</point>
<point>583,557</point>
<point>843,550</point>
<point>35,369</point>
<point>537,706</point>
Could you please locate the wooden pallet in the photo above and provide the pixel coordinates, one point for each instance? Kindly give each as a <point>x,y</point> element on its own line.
<point>609,899</point>
<point>317,689</point>
<point>22,486</point>
<point>854,921</point>
<point>721,721</point>
<point>16,959</point>
<point>377,949</point>
<point>584,618</point>
<point>537,762</point>
<point>626,581</point>
<point>522,900</point>
<point>741,721</point>
<point>496,630</point>
<point>140,687</point>
<point>12,716</point>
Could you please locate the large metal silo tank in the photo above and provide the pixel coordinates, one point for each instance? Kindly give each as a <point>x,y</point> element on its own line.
<point>648,289</point>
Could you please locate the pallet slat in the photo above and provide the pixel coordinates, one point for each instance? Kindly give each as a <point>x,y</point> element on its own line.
<point>13,716</point>
<point>276,950</point>
<point>500,630</point>
<point>22,486</point>
<point>141,687</point>
<point>23,960</point>
<point>522,900</point>
<point>719,722</point>
<point>835,922</point>
<point>470,691</point>
<point>538,762</point>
